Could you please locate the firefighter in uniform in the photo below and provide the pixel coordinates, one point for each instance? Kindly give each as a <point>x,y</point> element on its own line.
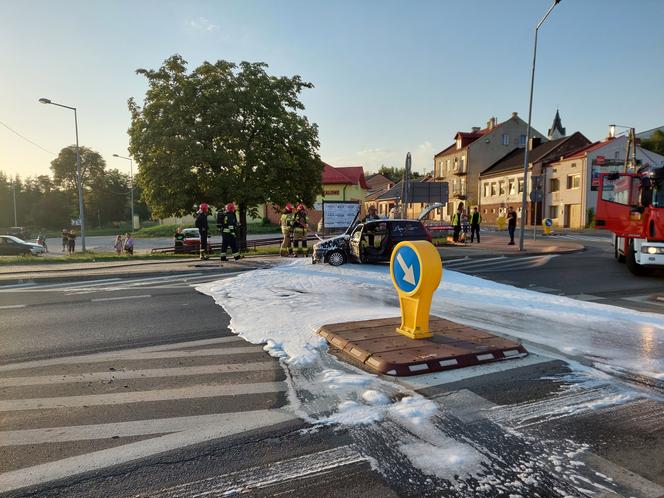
<point>229,227</point>
<point>287,230</point>
<point>300,224</point>
<point>203,228</point>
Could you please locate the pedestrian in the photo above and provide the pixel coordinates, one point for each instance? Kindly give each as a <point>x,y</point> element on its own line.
<point>286,222</point>
<point>464,227</point>
<point>395,213</point>
<point>65,239</point>
<point>117,245</point>
<point>300,225</point>
<point>371,229</point>
<point>511,224</point>
<point>475,220</point>
<point>71,241</point>
<point>456,222</point>
<point>229,226</point>
<point>129,244</point>
<point>203,229</point>
<point>372,214</point>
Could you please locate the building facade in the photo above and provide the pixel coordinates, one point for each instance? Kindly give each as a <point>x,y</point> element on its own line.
<point>572,181</point>
<point>472,152</point>
<point>501,184</point>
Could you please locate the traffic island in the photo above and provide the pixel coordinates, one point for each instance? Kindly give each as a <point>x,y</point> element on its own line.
<point>377,346</point>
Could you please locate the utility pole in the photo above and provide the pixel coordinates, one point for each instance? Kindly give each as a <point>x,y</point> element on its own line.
<point>14,196</point>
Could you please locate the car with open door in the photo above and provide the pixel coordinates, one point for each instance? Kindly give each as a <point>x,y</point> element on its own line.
<point>369,242</point>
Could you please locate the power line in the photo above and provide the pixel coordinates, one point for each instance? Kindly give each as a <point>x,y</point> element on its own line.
<point>27,139</point>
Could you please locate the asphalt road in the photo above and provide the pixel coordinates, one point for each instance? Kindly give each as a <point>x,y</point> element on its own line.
<point>136,387</point>
<point>590,275</point>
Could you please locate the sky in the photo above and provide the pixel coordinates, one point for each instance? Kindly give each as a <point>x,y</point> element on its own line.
<point>390,77</point>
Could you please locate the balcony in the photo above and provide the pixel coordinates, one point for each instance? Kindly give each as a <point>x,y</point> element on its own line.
<point>460,170</point>
<point>459,193</point>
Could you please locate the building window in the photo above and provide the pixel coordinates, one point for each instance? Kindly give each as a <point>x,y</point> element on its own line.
<point>512,187</point>
<point>554,185</point>
<point>553,211</point>
<point>447,164</point>
<point>520,185</point>
<point>522,140</point>
<point>484,211</point>
<point>502,187</point>
<point>456,164</point>
<point>458,143</point>
<point>573,181</point>
<point>440,165</point>
<point>494,189</point>
<point>486,189</point>
<point>506,139</point>
<point>463,162</point>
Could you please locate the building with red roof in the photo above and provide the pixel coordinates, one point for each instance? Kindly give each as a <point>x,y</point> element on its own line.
<point>461,163</point>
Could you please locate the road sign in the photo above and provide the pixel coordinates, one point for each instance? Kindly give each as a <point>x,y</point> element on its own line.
<point>547,224</point>
<point>416,270</point>
<point>536,196</point>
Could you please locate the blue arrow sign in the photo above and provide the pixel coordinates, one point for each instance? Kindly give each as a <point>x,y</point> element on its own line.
<point>548,222</point>
<point>406,269</point>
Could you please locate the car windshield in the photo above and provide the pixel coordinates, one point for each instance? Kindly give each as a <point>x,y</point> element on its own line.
<point>15,239</point>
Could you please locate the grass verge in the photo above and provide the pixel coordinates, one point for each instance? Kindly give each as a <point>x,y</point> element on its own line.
<point>87,257</point>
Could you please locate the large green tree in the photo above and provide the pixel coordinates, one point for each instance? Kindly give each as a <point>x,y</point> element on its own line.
<point>220,133</point>
<point>64,167</point>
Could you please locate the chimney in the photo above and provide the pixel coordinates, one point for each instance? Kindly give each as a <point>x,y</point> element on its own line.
<point>491,124</point>
<point>534,142</point>
<point>476,129</point>
<point>612,131</point>
<point>515,114</point>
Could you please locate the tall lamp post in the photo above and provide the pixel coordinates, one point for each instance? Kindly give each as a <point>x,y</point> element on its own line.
<point>530,113</point>
<point>81,212</point>
<point>131,182</point>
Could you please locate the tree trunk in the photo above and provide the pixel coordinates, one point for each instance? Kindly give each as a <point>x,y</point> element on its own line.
<point>242,235</point>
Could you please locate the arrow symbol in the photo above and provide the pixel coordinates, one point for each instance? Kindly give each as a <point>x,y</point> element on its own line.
<point>409,274</point>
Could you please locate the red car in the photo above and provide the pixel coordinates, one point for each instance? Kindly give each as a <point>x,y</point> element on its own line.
<point>189,242</point>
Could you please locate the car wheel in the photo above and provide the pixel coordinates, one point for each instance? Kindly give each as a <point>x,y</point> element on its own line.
<point>336,258</point>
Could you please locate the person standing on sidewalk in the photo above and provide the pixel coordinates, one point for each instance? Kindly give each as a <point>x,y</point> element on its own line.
<point>71,241</point>
<point>203,229</point>
<point>475,220</point>
<point>229,226</point>
<point>65,239</point>
<point>511,224</point>
<point>286,222</point>
<point>456,222</point>
<point>129,244</point>
<point>118,244</point>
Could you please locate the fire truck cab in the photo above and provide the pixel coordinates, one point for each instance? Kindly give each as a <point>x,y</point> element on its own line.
<point>631,205</point>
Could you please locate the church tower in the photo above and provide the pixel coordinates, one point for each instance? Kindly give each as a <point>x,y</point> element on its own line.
<point>556,131</point>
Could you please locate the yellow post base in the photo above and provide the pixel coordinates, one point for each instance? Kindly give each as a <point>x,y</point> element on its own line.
<point>415,317</point>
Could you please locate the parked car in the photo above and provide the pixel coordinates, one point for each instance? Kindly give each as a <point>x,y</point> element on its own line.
<point>369,242</point>
<point>13,246</point>
<point>190,242</point>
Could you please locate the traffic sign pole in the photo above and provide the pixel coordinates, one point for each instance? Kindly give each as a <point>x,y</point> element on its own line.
<point>416,270</point>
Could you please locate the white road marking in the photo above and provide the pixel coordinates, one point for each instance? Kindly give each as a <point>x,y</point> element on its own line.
<point>477,262</point>
<point>120,429</point>
<point>96,460</point>
<point>64,285</point>
<point>267,475</point>
<point>190,392</point>
<point>12,306</point>
<point>152,373</point>
<point>130,356</point>
<point>586,297</point>
<point>118,298</point>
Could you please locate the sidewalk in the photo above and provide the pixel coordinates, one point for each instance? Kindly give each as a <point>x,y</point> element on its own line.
<point>495,243</point>
<point>16,273</point>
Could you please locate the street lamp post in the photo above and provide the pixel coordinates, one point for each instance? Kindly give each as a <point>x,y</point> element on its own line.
<point>131,182</point>
<point>14,196</point>
<point>81,212</point>
<point>530,113</point>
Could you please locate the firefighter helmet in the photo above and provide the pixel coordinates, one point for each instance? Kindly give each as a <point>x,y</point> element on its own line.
<point>288,208</point>
<point>230,207</point>
<point>204,207</point>
<point>300,207</point>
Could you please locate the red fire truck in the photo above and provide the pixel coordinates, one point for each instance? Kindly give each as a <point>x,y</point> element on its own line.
<point>631,205</point>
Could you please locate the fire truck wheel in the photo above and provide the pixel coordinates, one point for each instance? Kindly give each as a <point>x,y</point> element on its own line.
<point>633,266</point>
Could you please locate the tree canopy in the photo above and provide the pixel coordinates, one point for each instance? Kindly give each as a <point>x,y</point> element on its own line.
<point>655,143</point>
<point>220,133</point>
<point>64,167</point>
<point>395,174</point>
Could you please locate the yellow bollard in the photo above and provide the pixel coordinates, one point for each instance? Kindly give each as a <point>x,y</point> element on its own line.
<point>416,270</point>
